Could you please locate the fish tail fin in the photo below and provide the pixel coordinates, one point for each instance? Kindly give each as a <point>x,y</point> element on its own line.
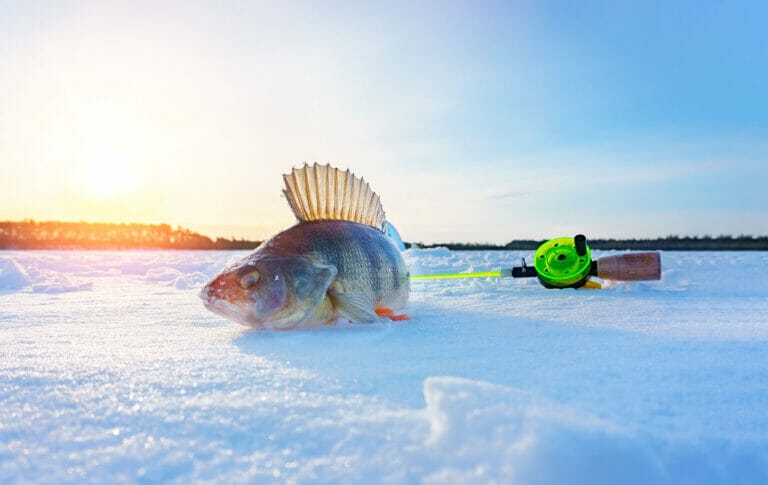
<point>390,313</point>
<point>321,192</point>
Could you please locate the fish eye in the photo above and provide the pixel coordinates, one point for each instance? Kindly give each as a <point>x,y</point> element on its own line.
<point>249,279</point>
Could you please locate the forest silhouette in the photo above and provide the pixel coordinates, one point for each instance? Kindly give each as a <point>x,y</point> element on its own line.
<point>30,234</point>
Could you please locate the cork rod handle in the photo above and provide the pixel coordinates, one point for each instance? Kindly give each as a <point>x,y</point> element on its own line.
<point>630,267</point>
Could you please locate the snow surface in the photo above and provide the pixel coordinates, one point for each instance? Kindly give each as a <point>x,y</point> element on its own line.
<point>112,370</point>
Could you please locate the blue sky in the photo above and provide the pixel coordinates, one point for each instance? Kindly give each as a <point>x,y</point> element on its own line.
<point>474,121</point>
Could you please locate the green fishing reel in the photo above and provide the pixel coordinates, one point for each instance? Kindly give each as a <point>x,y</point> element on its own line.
<point>563,262</point>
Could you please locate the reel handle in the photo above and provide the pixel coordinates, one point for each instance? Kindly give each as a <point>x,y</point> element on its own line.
<point>630,267</point>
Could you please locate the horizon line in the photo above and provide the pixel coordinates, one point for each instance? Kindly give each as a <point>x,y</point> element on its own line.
<point>454,242</point>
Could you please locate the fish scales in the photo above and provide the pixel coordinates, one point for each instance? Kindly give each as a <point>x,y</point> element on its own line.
<point>358,252</point>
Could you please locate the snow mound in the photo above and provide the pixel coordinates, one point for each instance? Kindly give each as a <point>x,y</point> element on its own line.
<point>12,276</point>
<point>61,284</point>
<point>499,434</point>
<point>175,278</point>
<point>432,261</point>
<point>440,252</point>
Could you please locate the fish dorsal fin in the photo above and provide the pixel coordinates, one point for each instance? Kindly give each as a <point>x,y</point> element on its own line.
<point>321,192</point>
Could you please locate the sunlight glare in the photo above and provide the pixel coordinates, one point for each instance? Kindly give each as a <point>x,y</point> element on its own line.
<point>104,176</point>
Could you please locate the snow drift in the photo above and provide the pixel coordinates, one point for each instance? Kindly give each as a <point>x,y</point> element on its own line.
<point>113,370</point>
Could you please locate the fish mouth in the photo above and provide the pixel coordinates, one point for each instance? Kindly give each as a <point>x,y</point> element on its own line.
<point>225,308</point>
<point>240,311</point>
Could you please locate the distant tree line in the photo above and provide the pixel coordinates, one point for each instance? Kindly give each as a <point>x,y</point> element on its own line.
<point>30,234</point>
<point>669,243</point>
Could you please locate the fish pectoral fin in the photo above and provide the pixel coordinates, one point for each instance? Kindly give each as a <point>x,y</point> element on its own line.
<point>353,305</point>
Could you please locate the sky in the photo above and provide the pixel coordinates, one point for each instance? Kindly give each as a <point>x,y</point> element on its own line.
<point>473,121</point>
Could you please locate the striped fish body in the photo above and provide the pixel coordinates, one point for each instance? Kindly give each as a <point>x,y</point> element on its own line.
<point>368,268</point>
<point>316,272</point>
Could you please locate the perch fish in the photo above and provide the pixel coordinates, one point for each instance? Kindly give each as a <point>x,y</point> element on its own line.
<point>335,263</point>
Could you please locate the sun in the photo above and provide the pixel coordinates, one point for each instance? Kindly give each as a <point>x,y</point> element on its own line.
<point>105,176</point>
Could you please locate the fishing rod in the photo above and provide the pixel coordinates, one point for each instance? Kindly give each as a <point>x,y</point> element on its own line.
<point>566,262</point>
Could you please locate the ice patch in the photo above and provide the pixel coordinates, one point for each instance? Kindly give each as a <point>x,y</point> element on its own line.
<point>12,276</point>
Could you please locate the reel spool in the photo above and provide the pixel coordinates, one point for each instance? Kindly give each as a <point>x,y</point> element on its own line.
<point>563,262</point>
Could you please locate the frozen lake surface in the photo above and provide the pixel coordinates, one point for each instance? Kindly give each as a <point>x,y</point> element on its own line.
<point>112,370</point>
